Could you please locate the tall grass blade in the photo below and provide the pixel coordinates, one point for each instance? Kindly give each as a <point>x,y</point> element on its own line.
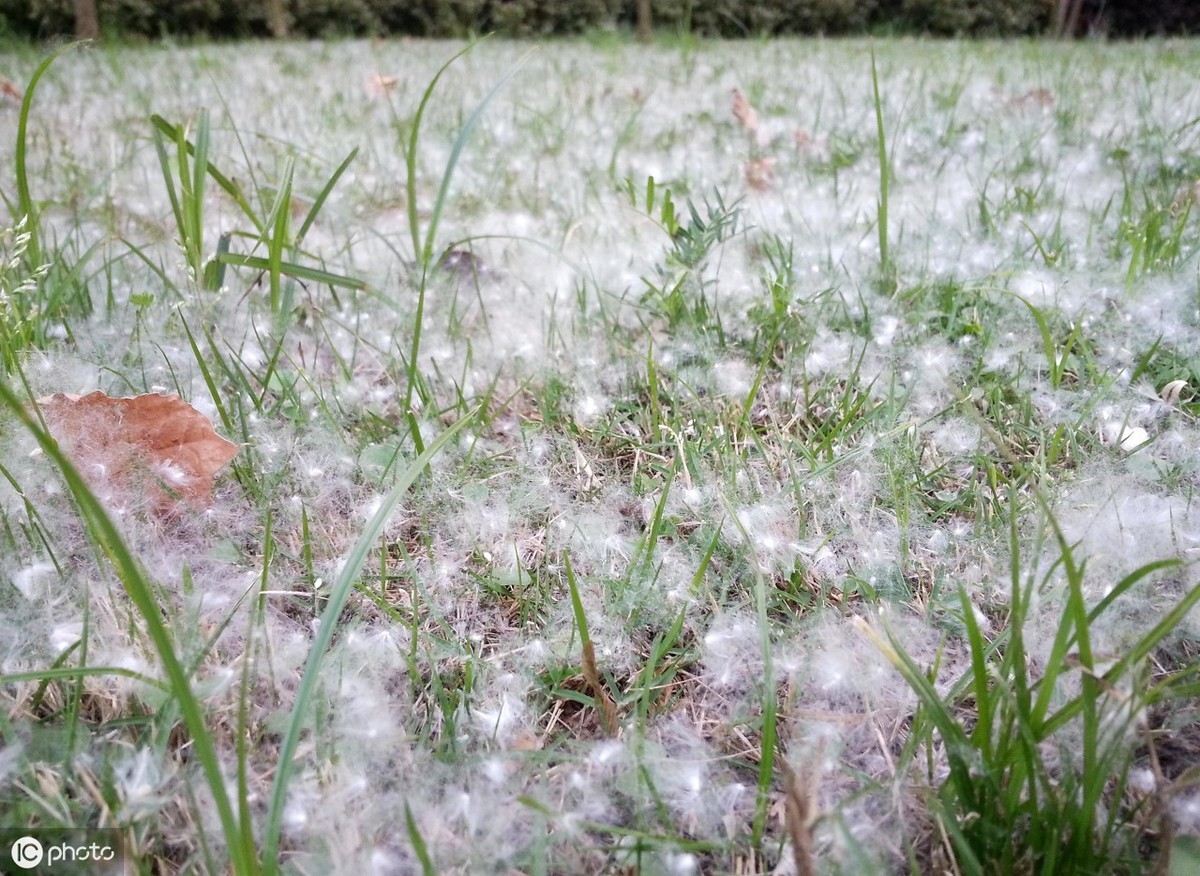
<point>25,205</point>
<point>418,843</point>
<point>425,258</point>
<point>177,135</point>
<point>291,269</point>
<point>323,196</point>
<point>410,159</point>
<point>605,707</point>
<point>887,273</point>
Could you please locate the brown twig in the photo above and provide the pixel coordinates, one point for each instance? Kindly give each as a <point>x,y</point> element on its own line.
<point>800,812</point>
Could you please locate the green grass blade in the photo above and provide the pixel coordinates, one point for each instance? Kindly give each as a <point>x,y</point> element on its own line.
<point>277,222</point>
<point>425,259</point>
<point>410,158</point>
<point>1128,581</point>
<point>25,205</point>
<point>1155,636</point>
<point>291,269</point>
<point>418,843</point>
<point>1048,346</point>
<point>770,703</point>
<point>72,672</point>
<point>576,602</point>
<point>196,205</point>
<point>984,730</point>
<point>176,134</point>
<point>323,196</point>
<point>164,163</point>
<point>885,174</point>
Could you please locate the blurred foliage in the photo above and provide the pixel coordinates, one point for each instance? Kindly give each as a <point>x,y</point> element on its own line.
<point>975,17</point>
<point>531,18</point>
<point>542,17</point>
<point>758,17</point>
<point>1150,17</point>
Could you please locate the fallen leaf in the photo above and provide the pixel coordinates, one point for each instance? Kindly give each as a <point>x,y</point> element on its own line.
<point>462,264</point>
<point>379,85</point>
<point>1036,97</point>
<point>760,173</point>
<point>1186,198</point>
<point>155,445</point>
<point>1173,391</point>
<point>10,90</point>
<point>744,112</point>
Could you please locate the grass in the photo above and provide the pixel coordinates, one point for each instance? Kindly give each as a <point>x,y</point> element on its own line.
<point>596,510</point>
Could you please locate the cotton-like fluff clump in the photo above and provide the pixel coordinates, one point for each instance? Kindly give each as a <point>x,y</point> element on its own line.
<point>1126,428</point>
<point>929,372</point>
<point>956,437</point>
<point>1038,287</point>
<point>141,783</point>
<point>845,671</point>
<point>768,532</point>
<point>35,581</point>
<point>731,651</point>
<point>829,352</point>
<point>1185,810</point>
<point>602,536</point>
<point>589,407</point>
<point>733,378</point>
<point>499,712</point>
<point>1118,526</point>
<point>365,670</point>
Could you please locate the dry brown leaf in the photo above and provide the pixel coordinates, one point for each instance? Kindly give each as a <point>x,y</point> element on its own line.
<point>760,173</point>
<point>744,112</point>
<point>1036,97</point>
<point>1186,198</point>
<point>379,84</point>
<point>10,90</point>
<point>157,445</point>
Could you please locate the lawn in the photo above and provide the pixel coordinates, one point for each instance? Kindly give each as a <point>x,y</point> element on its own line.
<point>698,458</point>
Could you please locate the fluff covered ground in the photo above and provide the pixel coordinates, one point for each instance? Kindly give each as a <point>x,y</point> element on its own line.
<point>792,414</point>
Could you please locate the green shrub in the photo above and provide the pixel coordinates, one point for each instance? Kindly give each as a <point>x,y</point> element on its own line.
<point>829,16</point>
<point>330,17</point>
<point>217,18</point>
<point>15,18</point>
<point>973,17</point>
<point>758,17</point>
<point>50,17</point>
<point>531,18</point>
<point>543,17</point>
<point>1150,17</point>
<point>715,17</point>
<point>434,18</point>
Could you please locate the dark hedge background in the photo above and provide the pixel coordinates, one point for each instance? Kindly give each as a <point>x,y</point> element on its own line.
<point>729,18</point>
